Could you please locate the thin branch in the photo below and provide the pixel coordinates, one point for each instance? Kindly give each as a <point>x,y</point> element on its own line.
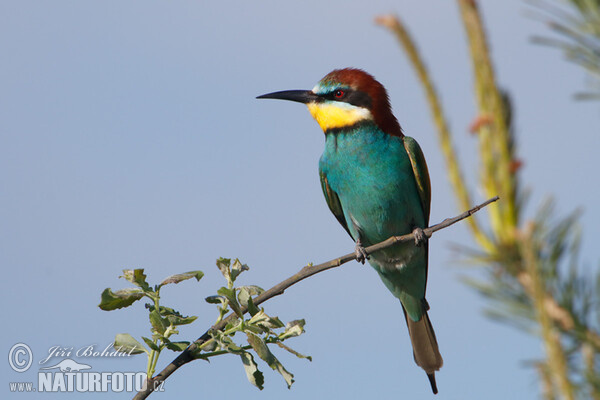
<point>188,354</point>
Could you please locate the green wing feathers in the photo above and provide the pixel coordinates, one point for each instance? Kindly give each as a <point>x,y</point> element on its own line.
<point>333,201</point>
<point>419,167</point>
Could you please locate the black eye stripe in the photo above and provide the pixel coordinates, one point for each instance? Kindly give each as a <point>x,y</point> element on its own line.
<point>358,98</point>
<point>351,96</point>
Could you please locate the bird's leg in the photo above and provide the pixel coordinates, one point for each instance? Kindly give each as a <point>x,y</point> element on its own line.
<point>420,236</point>
<point>361,253</point>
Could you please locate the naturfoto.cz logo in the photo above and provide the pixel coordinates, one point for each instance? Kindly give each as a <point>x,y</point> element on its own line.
<point>69,375</point>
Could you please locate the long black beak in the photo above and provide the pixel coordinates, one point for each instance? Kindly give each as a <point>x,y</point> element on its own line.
<point>300,96</point>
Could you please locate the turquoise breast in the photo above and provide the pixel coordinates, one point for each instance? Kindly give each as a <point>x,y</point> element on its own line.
<point>372,176</point>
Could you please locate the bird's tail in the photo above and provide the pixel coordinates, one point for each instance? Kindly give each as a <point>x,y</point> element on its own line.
<point>425,348</point>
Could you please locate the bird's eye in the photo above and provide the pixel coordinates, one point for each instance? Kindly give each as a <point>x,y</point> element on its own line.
<point>338,94</point>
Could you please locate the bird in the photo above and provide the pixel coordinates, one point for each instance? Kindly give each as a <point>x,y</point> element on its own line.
<point>376,183</point>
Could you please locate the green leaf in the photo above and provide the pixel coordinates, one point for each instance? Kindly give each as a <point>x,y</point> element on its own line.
<point>252,290</point>
<point>179,320</point>
<point>219,337</point>
<point>110,300</point>
<point>263,320</point>
<point>254,329</point>
<point>255,377</point>
<point>223,265</point>
<point>233,348</point>
<point>294,352</point>
<point>215,299</point>
<point>293,328</point>
<point>225,342</point>
<point>237,268</point>
<point>234,322</point>
<point>126,343</point>
<point>229,294</point>
<point>245,296</point>
<point>262,350</point>
<point>150,344</point>
<point>173,316</point>
<point>137,277</point>
<point>210,346</point>
<point>252,309</point>
<point>182,277</point>
<point>178,346</point>
<point>158,323</point>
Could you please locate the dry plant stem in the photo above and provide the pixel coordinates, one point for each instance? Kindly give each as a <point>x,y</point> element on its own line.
<point>394,24</point>
<point>494,138</point>
<point>547,387</point>
<point>589,359</point>
<point>557,361</point>
<point>188,354</point>
<point>561,317</point>
<point>593,338</point>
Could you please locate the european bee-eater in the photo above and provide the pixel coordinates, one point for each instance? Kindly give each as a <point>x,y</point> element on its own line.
<point>376,183</point>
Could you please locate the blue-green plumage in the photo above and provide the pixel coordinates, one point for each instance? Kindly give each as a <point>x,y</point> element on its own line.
<point>376,184</point>
<point>371,174</point>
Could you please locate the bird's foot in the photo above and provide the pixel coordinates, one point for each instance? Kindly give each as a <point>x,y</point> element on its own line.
<point>420,236</point>
<point>361,253</point>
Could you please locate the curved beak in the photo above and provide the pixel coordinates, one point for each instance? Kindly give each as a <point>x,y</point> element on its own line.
<point>300,96</point>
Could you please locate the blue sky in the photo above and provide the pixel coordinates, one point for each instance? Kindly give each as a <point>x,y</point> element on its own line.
<point>130,137</point>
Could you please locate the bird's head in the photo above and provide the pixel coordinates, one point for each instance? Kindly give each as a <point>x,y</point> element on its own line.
<point>343,98</point>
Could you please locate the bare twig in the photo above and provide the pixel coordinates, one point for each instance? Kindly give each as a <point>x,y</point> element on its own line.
<point>188,354</point>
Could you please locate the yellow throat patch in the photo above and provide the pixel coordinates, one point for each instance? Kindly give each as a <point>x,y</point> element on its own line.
<point>331,116</point>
